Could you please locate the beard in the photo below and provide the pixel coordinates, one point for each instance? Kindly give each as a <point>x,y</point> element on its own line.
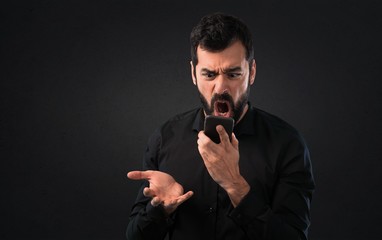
<point>236,109</point>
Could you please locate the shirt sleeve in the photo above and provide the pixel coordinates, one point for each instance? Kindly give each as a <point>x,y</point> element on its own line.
<point>147,221</point>
<point>284,213</point>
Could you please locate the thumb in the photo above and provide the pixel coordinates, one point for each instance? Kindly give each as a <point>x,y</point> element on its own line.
<point>139,175</point>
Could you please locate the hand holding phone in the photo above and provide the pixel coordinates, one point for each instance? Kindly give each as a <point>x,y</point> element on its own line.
<point>210,123</point>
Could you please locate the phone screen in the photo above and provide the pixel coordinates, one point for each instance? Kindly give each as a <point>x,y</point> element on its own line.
<point>210,124</point>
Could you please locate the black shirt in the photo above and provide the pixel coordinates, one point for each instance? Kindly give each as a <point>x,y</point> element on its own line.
<point>274,160</point>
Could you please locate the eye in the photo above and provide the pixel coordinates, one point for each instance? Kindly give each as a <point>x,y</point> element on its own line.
<point>209,75</point>
<point>233,75</point>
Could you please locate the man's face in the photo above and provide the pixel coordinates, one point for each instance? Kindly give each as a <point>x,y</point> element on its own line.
<point>223,80</point>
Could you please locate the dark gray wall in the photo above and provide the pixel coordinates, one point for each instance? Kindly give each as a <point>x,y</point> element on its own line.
<point>84,83</point>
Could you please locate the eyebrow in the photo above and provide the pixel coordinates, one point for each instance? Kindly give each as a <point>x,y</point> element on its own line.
<point>207,70</point>
<point>232,69</point>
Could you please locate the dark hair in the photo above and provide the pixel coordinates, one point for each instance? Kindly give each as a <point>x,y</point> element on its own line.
<point>215,32</point>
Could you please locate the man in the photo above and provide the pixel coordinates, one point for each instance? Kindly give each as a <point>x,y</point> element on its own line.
<point>259,185</point>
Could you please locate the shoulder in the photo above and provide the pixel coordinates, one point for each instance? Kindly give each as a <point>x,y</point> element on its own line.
<point>272,121</point>
<point>284,140</point>
<point>181,120</point>
<point>185,116</point>
<point>274,126</point>
<point>176,123</point>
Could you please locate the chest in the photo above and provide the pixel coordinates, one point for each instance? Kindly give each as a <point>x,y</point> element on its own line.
<point>180,158</point>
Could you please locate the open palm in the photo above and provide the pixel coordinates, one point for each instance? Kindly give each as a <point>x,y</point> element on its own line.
<point>163,189</point>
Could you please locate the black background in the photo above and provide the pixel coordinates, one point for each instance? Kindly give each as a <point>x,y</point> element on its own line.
<point>84,84</point>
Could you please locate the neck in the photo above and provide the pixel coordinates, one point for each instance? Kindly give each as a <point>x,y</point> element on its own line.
<point>243,113</point>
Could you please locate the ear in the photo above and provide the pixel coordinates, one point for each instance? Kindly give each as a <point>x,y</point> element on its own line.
<point>192,73</point>
<point>253,72</point>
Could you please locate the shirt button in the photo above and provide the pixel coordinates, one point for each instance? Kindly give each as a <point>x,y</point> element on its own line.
<point>211,210</point>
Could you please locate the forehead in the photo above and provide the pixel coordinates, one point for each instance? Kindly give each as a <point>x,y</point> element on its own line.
<point>232,56</point>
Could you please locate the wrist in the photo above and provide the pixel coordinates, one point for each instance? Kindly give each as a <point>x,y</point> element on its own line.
<point>238,191</point>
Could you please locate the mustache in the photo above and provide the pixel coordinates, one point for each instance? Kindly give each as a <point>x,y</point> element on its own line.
<point>222,97</point>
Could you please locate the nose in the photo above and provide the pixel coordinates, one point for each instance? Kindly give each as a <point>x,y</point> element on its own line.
<point>221,84</point>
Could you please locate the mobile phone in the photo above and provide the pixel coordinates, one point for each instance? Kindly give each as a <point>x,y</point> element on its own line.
<point>210,123</point>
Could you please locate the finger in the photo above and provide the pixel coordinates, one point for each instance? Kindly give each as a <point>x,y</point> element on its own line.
<point>184,197</point>
<point>202,138</point>
<point>222,134</point>
<point>171,203</point>
<point>201,133</point>
<point>148,192</point>
<point>156,201</point>
<point>179,200</point>
<point>235,142</point>
<point>139,175</point>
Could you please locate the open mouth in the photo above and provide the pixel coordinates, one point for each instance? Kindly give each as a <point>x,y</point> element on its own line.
<point>222,108</point>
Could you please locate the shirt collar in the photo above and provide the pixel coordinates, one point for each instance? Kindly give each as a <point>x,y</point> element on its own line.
<point>244,127</point>
<point>198,124</point>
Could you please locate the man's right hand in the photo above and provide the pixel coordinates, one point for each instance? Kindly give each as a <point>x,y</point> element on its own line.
<point>163,189</point>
